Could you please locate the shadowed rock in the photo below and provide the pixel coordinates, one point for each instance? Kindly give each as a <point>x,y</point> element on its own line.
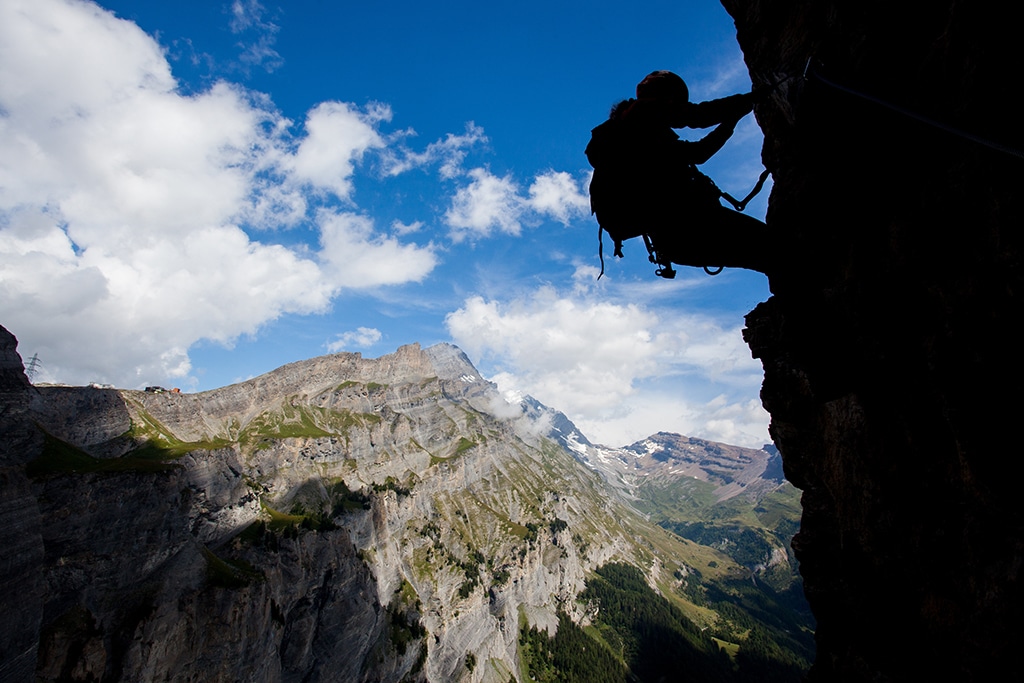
<point>890,348</point>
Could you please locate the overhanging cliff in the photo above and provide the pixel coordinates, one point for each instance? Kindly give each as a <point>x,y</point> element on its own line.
<point>892,363</point>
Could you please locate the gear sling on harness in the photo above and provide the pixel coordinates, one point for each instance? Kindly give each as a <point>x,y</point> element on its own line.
<point>619,235</point>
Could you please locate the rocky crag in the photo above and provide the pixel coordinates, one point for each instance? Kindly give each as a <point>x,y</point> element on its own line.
<point>340,518</point>
<point>890,345</point>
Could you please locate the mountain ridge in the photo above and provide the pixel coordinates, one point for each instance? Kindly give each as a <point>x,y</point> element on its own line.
<point>396,509</point>
<point>666,454</point>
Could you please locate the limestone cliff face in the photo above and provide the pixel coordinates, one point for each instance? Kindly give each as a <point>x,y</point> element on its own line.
<point>338,519</point>
<point>892,361</point>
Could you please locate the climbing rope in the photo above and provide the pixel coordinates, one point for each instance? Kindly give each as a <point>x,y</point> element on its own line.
<point>810,72</point>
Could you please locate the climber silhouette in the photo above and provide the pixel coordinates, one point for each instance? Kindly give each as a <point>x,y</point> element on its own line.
<point>646,180</point>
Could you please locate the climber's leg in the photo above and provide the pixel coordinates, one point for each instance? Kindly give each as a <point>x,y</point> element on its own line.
<point>718,237</point>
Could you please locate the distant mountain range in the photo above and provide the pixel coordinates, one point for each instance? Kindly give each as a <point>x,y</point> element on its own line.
<point>733,469</point>
<point>684,483</point>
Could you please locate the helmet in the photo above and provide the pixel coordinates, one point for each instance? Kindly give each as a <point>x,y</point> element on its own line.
<point>662,85</point>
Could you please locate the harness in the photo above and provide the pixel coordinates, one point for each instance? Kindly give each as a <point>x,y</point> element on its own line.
<point>665,269</point>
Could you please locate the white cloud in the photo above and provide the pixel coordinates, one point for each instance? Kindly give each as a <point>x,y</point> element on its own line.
<point>42,67</point>
<point>247,17</point>
<point>337,137</point>
<point>448,153</point>
<point>354,256</point>
<point>360,337</point>
<point>731,421</point>
<point>123,202</point>
<point>602,363</point>
<point>400,228</point>
<point>556,193</point>
<point>486,204</point>
<point>491,203</point>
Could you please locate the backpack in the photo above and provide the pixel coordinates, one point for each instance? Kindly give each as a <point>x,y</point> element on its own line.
<point>630,195</point>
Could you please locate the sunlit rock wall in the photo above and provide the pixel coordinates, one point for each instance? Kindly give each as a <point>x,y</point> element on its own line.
<point>147,536</point>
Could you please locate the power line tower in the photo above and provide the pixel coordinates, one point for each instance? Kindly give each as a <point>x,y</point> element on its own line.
<point>33,367</point>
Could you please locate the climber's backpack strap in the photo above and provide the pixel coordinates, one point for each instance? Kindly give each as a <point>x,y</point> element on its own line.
<point>616,237</point>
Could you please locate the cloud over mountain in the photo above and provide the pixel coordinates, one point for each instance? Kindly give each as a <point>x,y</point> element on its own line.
<point>591,357</point>
<point>195,202</point>
<point>129,209</point>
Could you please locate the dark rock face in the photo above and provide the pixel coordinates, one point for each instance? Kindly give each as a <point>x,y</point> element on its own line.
<point>21,543</point>
<point>892,363</point>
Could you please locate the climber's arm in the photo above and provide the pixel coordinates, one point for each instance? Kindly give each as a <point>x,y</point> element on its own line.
<point>707,114</point>
<point>700,151</point>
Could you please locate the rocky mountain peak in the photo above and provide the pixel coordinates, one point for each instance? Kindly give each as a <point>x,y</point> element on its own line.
<point>449,362</point>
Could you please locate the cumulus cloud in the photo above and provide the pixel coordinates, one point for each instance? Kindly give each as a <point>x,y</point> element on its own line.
<point>124,204</point>
<point>558,195</point>
<point>491,203</point>
<point>360,337</point>
<point>488,203</point>
<point>591,358</point>
<point>588,351</point>
<point>727,420</point>
<point>355,256</point>
<point>337,137</point>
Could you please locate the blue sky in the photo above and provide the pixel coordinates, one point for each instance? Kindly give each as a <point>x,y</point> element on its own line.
<point>194,193</point>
